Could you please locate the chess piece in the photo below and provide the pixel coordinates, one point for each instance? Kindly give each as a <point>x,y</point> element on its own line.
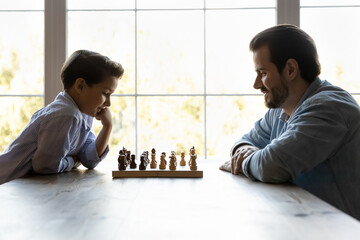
<point>153,163</point>
<point>132,161</point>
<point>128,156</point>
<point>143,162</point>
<point>121,160</point>
<point>192,161</point>
<point>172,163</point>
<point>182,161</point>
<point>162,161</point>
<point>146,153</point>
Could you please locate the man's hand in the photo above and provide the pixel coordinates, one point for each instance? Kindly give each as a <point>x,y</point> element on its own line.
<point>234,166</point>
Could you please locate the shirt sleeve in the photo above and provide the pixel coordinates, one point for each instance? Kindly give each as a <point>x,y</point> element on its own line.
<point>88,154</point>
<point>54,143</point>
<point>311,136</point>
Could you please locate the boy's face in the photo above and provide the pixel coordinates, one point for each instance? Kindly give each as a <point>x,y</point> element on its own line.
<point>93,99</point>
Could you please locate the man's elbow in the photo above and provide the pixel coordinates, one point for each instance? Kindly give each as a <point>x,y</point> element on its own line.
<point>272,174</point>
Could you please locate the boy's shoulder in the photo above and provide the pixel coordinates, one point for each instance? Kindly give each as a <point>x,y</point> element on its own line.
<point>63,106</point>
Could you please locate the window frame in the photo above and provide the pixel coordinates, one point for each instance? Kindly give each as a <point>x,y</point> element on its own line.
<point>56,46</point>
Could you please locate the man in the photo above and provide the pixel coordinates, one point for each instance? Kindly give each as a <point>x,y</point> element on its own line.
<point>311,132</point>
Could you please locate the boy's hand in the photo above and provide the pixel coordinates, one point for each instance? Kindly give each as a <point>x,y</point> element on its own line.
<point>104,116</point>
<point>77,162</point>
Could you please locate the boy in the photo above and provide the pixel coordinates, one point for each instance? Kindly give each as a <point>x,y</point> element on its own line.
<point>59,137</point>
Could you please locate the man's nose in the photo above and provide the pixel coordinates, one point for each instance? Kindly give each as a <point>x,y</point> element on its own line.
<point>257,83</point>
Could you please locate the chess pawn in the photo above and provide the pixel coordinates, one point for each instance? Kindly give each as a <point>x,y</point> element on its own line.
<point>122,164</point>
<point>162,161</point>
<point>143,163</point>
<point>133,162</point>
<point>153,163</point>
<point>172,164</point>
<point>192,161</point>
<point>182,161</point>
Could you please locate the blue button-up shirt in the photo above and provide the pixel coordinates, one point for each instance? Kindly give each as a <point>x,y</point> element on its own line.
<point>54,134</point>
<point>317,147</point>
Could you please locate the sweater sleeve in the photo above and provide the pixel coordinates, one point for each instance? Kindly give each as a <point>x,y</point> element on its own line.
<point>310,137</point>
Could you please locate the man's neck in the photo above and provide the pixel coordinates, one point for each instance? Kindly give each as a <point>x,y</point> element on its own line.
<point>296,92</point>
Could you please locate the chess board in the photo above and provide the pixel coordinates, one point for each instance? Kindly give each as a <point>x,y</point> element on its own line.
<point>180,172</point>
<point>128,168</point>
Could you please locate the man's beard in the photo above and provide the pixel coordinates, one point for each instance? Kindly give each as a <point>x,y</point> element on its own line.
<point>277,96</point>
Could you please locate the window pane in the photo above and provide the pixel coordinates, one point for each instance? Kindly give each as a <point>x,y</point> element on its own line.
<point>111,34</point>
<point>240,3</point>
<point>328,2</point>
<point>22,53</point>
<point>15,115</point>
<point>22,5</point>
<point>337,39</point>
<point>123,132</point>
<point>228,118</point>
<point>229,64</point>
<point>357,98</point>
<point>170,52</point>
<point>171,124</point>
<point>103,4</point>
<point>166,4</point>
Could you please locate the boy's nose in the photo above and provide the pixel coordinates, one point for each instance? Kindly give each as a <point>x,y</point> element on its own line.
<point>107,102</point>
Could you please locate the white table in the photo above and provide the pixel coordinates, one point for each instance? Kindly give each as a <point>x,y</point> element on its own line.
<point>90,204</point>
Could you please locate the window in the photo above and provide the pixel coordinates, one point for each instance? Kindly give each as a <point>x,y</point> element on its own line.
<point>188,71</point>
<point>334,26</point>
<point>21,65</point>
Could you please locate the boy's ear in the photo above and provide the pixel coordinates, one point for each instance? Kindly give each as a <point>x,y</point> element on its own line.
<point>79,84</point>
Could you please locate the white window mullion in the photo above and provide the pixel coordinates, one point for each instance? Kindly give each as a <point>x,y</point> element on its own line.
<point>55,46</point>
<point>288,11</point>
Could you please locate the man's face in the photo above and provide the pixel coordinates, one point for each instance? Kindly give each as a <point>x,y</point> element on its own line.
<point>269,80</point>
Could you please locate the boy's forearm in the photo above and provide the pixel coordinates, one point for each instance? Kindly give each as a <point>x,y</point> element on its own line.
<point>103,139</point>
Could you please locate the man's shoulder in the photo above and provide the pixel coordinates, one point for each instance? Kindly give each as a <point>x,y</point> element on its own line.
<point>329,101</point>
<point>330,95</point>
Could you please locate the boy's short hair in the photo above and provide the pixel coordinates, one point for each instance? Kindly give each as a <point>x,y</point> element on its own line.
<point>91,66</point>
<point>287,41</point>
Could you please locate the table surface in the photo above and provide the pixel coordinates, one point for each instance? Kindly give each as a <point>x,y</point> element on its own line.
<point>90,204</point>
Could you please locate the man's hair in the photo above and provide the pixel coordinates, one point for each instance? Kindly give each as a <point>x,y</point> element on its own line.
<point>91,66</point>
<point>288,41</point>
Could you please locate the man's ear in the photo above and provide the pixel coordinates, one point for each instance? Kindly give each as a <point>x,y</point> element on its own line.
<point>292,69</point>
<point>79,85</point>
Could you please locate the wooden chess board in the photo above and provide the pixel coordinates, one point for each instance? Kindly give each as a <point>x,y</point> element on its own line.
<point>128,168</point>
<point>180,172</point>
